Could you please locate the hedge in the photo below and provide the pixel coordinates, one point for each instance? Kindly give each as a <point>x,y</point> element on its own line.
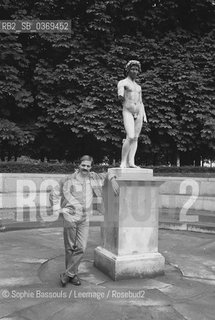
<point>57,168</point>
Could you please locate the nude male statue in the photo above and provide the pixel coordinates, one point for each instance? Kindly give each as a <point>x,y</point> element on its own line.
<point>130,94</point>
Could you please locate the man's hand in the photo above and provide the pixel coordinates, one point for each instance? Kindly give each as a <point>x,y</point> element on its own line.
<point>115,186</point>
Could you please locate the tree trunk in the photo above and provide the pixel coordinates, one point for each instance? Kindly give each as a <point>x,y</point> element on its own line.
<point>178,160</point>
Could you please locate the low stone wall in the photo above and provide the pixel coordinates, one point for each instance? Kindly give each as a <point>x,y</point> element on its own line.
<point>188,199</point>
<point>17,190</point>
<point>182,199</point>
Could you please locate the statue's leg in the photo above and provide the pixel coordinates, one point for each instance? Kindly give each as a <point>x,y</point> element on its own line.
<point>130,133</point>
<point>127,164</point>
<point>133,148</point>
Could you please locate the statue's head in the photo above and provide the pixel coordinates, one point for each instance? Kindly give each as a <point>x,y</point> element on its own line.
<point>132,68</point>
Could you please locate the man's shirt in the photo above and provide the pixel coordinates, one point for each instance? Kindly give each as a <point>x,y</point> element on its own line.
<point>74,196</point>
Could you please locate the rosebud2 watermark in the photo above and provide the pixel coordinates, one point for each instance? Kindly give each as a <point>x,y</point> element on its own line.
<point>47,200</point>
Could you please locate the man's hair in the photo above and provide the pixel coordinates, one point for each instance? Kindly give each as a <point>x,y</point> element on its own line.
<point>86,158</point>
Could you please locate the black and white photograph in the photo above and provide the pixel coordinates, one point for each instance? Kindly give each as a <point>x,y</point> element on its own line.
<point>107,159</point>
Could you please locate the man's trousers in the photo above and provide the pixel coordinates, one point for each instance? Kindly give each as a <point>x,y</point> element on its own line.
<point>75,242</point>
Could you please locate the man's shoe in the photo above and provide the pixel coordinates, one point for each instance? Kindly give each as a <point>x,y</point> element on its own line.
<point>75,280</point>
<point>64,279</point>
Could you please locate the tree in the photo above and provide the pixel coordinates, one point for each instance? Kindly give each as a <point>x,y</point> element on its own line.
<point>12,139</point>
<point>62,87</point>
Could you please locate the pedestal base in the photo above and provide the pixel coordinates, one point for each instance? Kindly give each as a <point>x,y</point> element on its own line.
<point>129,266</point>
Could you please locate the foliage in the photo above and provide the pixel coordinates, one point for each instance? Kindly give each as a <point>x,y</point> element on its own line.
<point>62,87</point>
<point>12,139</point>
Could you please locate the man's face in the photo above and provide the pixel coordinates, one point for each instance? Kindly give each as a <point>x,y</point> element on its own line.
<point>85,167</point>
<point>133,72</point>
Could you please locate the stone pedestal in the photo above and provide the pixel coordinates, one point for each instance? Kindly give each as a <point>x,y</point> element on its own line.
<point>130,234</point>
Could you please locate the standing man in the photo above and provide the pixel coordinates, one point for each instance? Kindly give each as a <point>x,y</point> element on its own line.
<point>130,94</point>
<point>73,198</point>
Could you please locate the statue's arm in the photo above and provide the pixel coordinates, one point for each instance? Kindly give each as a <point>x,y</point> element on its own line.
<point>121,90</point>
<point>143,107</point>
